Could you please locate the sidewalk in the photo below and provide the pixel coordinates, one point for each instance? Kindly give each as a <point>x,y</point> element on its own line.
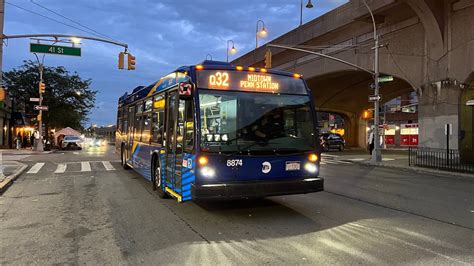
<point>9,171</point>
<point>397,159</point>
<point>26,151</point>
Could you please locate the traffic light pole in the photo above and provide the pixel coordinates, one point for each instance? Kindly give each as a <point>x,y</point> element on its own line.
<point>376,153</point>
<point>39,146</point>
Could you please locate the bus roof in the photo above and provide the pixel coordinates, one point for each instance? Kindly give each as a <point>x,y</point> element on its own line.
<point>141,92</point>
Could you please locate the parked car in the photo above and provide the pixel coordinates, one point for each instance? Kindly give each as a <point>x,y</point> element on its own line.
<point>332,141</point>
<point>71,142</point>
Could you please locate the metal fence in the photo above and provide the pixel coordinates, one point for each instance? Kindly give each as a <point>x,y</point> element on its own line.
<point>441,159</point>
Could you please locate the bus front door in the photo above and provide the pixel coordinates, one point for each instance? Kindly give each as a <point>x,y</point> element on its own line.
<point>174,142</point>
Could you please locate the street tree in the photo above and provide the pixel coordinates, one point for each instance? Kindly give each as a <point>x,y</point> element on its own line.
<point>68,97</point>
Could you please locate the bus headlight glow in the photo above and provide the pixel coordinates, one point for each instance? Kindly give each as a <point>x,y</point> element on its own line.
<point>202,160</point>
<point>207,171</point>
<point>312,157</point>
<point>311,167</point>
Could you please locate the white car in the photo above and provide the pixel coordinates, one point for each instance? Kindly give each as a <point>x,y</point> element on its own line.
<point>71,142</point>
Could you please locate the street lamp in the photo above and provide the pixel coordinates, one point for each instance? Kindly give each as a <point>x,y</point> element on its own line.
<point>376,154</point>
<point>308,5</point>
<point>263,33</point>
<point>232,50</point>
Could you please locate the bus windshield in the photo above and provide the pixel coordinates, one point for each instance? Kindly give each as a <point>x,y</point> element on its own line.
<point>255,123</point>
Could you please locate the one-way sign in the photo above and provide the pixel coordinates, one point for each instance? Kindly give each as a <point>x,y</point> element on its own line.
<point>40,107</point>
<point>375,98</point>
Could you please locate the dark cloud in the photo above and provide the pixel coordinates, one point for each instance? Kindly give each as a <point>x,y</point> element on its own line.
<point>162,34</point>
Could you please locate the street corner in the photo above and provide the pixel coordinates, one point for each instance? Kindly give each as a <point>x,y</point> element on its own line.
<point>9,172</point>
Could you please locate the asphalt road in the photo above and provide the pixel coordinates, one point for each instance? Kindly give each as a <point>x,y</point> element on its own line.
<point>91,211</point>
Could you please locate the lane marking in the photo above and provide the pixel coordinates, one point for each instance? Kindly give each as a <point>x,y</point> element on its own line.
<point>35,169</point>
<point>108,166</point>
<point>61,168</point>
<point>85,167</point>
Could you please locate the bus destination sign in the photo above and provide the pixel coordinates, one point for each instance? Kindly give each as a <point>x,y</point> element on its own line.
<point>249,81</point>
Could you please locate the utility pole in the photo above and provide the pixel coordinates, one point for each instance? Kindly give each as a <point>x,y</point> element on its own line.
<point>2,19</point>
<point>39,146</point>
<point>376,154</point>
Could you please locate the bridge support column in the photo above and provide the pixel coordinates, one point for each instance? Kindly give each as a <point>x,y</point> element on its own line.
<point>356,131</point>
<point>439,104</point>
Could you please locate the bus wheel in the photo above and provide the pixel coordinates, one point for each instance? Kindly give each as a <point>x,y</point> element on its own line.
<point>124,159</point>
<point>157,185</point>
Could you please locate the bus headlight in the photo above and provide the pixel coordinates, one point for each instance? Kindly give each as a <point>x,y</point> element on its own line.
<point>207,171</point>
<point>311,167</point>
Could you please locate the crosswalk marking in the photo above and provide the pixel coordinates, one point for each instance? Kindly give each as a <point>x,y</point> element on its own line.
<point>85,167</point>
<point>61,168</point>
<point>35,169</point>
<point>108,166</point>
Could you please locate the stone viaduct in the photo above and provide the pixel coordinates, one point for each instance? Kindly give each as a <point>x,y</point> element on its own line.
<point>428,48</point>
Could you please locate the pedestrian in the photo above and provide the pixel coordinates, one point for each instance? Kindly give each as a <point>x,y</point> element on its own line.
<point>36,139</point>
<point>371,140</point>
<point>18,141</point>
<point>32,140</point>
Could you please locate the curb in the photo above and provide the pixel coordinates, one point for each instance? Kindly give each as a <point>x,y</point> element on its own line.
<point>418,169</point>
<point>9,179</point>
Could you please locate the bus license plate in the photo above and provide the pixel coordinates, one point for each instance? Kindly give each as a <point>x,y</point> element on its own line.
<point>292,166</point>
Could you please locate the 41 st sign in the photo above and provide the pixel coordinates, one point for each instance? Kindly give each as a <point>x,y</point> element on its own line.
<point>54,49</point>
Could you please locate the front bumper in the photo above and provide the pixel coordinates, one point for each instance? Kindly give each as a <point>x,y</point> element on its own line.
<point>256,189</point>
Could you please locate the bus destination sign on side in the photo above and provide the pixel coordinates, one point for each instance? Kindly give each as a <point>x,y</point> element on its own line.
<point>54,49</point>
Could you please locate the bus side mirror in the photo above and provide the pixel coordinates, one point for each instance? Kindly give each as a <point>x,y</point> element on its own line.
<point>186,89</point>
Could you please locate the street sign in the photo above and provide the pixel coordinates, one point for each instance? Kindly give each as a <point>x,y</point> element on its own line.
<point>34,99</point>
<point>448,129</point>
<point>383,79</point>
<point>375,98</point>
<point>41,107</point>
<point>54,49</point>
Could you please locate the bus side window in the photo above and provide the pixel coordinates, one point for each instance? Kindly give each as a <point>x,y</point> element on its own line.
<point>157,124</point>
<point>189,122</point>
<point>146,128</point>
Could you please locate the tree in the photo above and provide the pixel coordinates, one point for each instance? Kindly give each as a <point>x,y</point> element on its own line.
<point>67,95</point>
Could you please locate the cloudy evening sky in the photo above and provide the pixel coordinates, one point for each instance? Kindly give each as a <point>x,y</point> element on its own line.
<point>162,34</point>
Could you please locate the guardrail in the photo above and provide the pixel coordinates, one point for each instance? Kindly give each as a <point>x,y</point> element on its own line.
<point>442,159</point>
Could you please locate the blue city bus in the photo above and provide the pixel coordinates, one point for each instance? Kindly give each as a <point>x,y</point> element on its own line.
<point>217,131</point>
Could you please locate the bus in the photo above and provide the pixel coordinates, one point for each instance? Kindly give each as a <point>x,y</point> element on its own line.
<point>217,131</point>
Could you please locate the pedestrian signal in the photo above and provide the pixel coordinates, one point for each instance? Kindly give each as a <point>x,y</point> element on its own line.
<point>367,114</point>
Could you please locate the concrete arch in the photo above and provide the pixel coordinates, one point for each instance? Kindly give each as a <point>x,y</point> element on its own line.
<point>346,93</point>
<point>431,14</point>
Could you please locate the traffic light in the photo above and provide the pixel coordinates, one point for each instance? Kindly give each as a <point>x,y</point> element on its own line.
<point>121,60</point>
<point>131,62</point>
<point>367,114</point>
<point>2,94</point>
<point>42,87</point>
<point>268,59</point>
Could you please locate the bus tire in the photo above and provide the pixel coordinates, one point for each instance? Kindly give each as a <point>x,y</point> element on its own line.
<point>156,178</point>
<point>123,158</point>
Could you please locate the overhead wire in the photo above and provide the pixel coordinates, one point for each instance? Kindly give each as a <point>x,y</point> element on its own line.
<point>52,19</point>
<point>73,21</point>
